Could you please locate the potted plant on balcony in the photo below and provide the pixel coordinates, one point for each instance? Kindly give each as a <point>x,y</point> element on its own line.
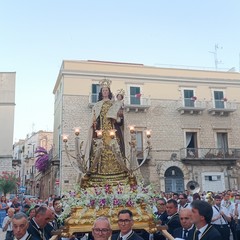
<point>194,98</point>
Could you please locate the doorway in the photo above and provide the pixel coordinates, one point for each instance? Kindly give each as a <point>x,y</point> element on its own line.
<point>174,180</point>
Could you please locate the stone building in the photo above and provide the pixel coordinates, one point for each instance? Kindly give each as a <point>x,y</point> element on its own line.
<point>194,116</point>
<point>35,182</point>
<point>7,107</point>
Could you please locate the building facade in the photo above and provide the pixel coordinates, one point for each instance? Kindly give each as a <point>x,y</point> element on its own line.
<point>194,117</point>
<point>35,183</point>
<point>7,108</point>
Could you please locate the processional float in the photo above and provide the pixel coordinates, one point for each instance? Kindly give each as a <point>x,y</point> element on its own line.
<point>108,183</point>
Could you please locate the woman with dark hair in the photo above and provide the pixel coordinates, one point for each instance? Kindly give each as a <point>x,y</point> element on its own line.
<point>3,209</point>
<point>105,146</point>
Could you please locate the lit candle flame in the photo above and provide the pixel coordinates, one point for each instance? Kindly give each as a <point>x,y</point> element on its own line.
<point>112,133</point>
<point>99,133</point>
<point>77,131</point>
<point>65,138</point>
<point>132,129</point>
<point>148,133</point>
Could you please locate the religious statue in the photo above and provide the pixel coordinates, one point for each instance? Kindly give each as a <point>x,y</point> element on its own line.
<point>105,145</point>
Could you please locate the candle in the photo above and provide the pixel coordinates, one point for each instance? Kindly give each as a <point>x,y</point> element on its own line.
<point>65,138</point>
<point>112,133</point>
<point>132,129</point>
<point>77,131</point>
<point>148,133</point>
<point>99,133</point>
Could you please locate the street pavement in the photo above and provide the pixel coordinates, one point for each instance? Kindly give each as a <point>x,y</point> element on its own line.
<point>2,234</point>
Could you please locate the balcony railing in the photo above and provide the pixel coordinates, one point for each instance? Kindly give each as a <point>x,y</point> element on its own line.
<point>29,177</point>
<point>209,153</point>
<point>130,102</point>
<point>189,105</point>
<point>221,107</point>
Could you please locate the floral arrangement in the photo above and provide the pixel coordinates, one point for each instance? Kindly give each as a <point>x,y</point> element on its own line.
<point>138,95</point>
<point>194,98</point>
<point>42,161</point>
<point>224,99</point>
<point>111,197</point>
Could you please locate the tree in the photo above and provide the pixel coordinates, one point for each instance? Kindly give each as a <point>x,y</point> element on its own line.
<point>8,182</point>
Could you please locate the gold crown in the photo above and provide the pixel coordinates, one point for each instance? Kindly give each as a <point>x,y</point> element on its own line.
<point>105,83</point>
<point>121,92</point>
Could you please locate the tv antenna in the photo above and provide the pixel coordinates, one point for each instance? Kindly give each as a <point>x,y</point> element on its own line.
<point>215,54</point>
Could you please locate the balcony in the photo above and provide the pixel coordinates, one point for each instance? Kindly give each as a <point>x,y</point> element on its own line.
<point>210,156</point>
<point>131,103</point>
<point>16,162</point>
<point>222,108</point>
<point>29,177</point>
<point>191,106</point>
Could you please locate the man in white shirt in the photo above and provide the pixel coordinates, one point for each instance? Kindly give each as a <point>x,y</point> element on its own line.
<point>183,201</point>
<point>221,218</point>
<point>20,225</point>
<point>7,224</point>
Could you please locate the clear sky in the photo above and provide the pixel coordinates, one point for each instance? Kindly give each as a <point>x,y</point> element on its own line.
<point>36,36</point>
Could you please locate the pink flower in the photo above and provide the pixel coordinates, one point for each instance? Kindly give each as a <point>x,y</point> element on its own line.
<point>116,202</point>
<point>92,202</point>
<point>138,95</point>
<point>102,202</point>
<point>129,203</point>
<point>194,98</point>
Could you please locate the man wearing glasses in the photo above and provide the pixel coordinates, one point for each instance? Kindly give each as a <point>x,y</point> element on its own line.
<point>161,217</point>
<point>101,229</point>
<point>125,224</point>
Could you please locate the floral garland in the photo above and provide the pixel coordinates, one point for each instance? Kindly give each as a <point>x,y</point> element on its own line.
<point>110,197</point>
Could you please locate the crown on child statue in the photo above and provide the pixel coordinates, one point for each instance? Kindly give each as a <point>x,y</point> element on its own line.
<point>121,92</point>
<point>105,83</point>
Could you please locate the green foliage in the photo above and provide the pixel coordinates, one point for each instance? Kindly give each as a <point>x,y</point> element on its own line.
<point>8,182</point>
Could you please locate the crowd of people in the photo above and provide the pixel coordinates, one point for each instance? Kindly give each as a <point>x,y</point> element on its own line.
<point>184,216</point>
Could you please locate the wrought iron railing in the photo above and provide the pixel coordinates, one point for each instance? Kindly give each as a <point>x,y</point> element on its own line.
<point>210,153</point>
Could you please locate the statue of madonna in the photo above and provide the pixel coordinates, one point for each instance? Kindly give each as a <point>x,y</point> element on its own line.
<point>105,146</point>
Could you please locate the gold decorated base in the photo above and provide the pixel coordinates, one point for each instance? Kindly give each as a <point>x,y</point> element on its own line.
<point>81,220</point>
<point>98,180</point>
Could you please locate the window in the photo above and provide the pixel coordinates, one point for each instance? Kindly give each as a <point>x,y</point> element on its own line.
<point>188,97</point>
<point>95,91</point>
<point>191,144</point>
<point>135,95</point>
<point>139,144</point>
<point>218,99</point>
<point>213,178</point>
<point>222,142</point>
<point>43,143</point>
